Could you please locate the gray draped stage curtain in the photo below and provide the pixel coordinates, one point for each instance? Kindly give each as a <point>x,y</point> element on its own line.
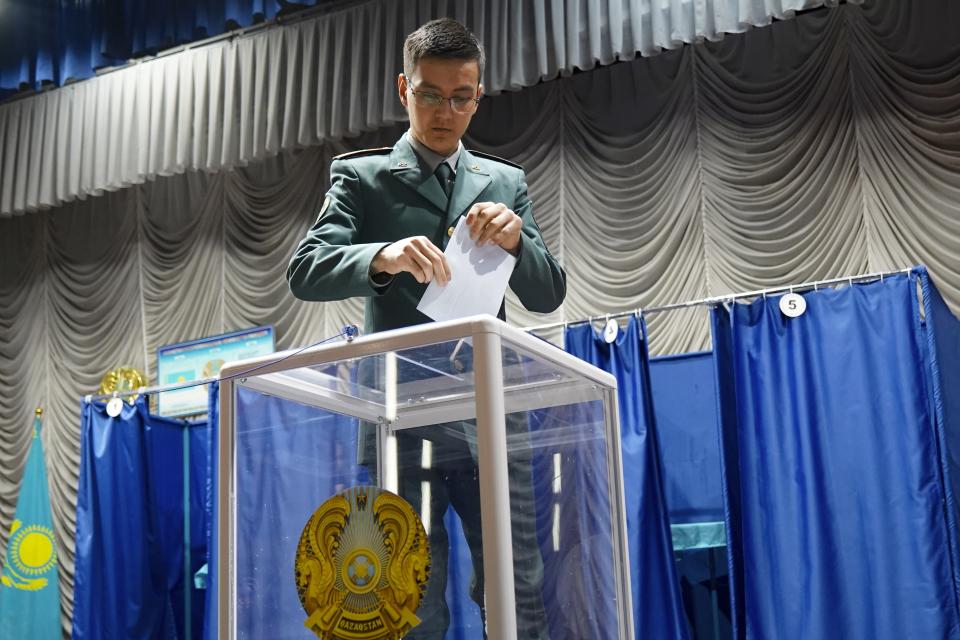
<point>247,98</point>
<point>822,146</point>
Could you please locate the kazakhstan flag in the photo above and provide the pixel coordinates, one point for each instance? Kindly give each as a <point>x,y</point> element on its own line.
<point>30,593</point>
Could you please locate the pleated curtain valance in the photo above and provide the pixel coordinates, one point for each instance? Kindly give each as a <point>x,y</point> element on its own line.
<point>326,77</point>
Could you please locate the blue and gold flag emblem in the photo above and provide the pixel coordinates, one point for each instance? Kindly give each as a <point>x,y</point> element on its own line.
<point>30,594</point>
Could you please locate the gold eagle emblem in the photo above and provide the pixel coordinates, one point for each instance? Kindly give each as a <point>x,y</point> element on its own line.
<point>362,566</point>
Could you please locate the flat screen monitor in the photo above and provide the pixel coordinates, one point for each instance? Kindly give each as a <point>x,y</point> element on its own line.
<point>200,359</point>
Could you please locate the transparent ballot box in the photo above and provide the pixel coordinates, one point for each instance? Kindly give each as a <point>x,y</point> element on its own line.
<point>504,452</point>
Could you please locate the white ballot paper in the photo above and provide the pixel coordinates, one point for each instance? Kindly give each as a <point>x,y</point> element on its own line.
<point>479,279</point>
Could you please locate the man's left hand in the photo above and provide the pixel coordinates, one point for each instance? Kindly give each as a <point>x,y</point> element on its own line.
<point>494,223</point>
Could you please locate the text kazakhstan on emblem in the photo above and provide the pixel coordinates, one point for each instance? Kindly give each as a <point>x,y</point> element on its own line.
<point>362,566</point>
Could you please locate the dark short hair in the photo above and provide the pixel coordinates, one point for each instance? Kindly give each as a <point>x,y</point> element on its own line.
<point>443,38</point>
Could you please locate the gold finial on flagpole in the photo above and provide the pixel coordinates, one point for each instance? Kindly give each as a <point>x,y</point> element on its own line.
<point>39,411</point>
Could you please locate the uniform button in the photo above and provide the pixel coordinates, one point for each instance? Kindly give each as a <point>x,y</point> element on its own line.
<point>450,232</point>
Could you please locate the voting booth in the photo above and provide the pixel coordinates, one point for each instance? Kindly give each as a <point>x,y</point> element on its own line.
<point>320,427</point>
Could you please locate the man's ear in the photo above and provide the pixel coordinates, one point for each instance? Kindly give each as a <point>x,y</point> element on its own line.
<point>402,88</point>
<point>480,90</point>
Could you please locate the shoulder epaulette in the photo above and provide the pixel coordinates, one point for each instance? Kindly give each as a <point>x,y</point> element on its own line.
<point>495,158</point>
<point>363,152</point>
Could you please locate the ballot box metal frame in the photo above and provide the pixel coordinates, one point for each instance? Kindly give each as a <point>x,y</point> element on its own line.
<point>288,375</point>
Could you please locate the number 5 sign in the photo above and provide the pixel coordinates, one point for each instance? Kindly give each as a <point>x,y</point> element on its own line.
<point>793,305</point>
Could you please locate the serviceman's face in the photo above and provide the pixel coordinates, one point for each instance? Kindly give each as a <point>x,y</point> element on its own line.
<point>440,127</point>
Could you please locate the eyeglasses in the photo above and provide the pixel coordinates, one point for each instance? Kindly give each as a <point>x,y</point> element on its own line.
<point>459,104</point>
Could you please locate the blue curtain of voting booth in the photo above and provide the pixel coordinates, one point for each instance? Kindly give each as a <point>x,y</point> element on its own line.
<point>685,404</point>
<point>135,553</point>
<point>943,353</point>
<point>657,604</point>
<point>839,443</point>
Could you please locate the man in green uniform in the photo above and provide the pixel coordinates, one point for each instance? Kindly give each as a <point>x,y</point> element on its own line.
<point>380,235</point>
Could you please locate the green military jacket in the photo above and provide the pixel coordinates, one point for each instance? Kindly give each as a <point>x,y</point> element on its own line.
<point>379,196</point>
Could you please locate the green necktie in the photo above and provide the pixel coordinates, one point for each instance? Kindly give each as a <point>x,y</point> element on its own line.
<point>445,176</point>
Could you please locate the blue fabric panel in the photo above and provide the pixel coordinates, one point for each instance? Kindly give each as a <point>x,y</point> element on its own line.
<point>685,401</point>
<point>199,520</point>
<point>53,40</point>
<point>165,489</point>
<point>730,477</point>
<point>835,519</point>
<point>129,574</point>
<point>943,344</point>
<point>109,587</point>
<point>658,609</point>
<point>50,40</point>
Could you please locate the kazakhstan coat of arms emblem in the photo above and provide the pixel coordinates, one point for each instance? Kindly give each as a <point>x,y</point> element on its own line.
<point>362,566</point>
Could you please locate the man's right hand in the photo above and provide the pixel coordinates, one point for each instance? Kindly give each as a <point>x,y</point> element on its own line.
<point>417,256</point>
